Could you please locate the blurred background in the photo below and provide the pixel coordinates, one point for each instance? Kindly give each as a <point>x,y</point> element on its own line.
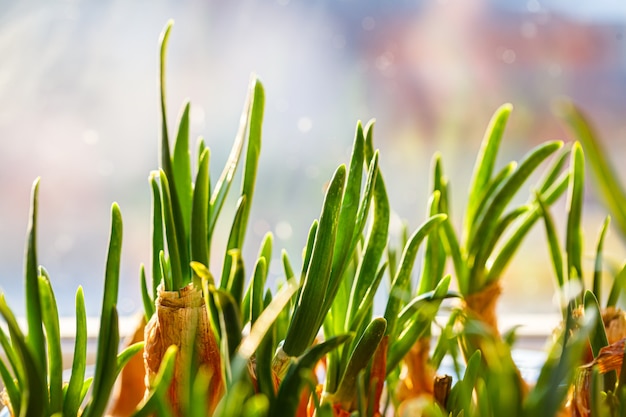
<point>79,108</point>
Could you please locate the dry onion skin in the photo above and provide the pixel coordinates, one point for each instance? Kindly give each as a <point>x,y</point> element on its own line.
<point>482,304</point>
<point>417,374</point>
<point>609,358</point>
<point>181,318</point>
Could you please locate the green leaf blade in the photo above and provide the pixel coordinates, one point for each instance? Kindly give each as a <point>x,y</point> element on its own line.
<point>488,223</point>
<point>485,161</point>
<point>174,247</point>
<point>199,233</point>
<point>288,396</point>
<point>574,234</point>
<point>397,297</point>
<point>35,380</point>
<point>253,151</point>
<point>304,325</point>
<point>157,235</point>
<point>610,189</point>
<point>36,340</point>
<point>108,337</point>
<point>55,355</point>
<point>72,400</point>
<point>181,168</point>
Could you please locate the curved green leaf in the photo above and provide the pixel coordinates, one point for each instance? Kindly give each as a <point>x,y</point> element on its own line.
<point>485,162</point>
<point>174,246</point>
<point>415,320</point>
<point>146,299</point>
<point>199,233</point>
<point>574,235</point>
<point>366,275</point>
<point>503,256</point>
<point>253,150</point>
<point>618,288</point>
<point>157,399</point>
<point>288,396</point>
<point>233,245</point>
<point>397,299</point>
<point>223,184</point>
<point>36,340</point>
<point>359,358</point>
<point>157,235</point>
<point>597,272</point>
<point>108,337</point>
<point>610,189</point>
<point>73,397</point>
<point>34,401</point>
<point>487,197</point>
<point>504,194</point>
<point>11,389</point>
<point>553,243</point>
<point>50,315</point>
<point>181,168</point>
<point>303,328</point>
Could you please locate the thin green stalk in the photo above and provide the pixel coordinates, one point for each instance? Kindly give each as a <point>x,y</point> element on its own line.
<point>253,151</point>
<point>288,397</point>
<point>50,316</point>
<point>365,305</point>
<point>72,399</point>
<point>199,213</point>
<point>560,368</point>
<point>414,321</point>
<point>487,197</point>
<point>260,328</point>
<point>13,358</point>
<point>397,298</point>
<point>256,295</point>
<point>165,147</point>
<point>233,244</point>
<point>574,236</point>
<point>146,298</point>
<point>597,272</point>
<point>302,329</point>
<point>359,358</point>
<point>618,288</point>
<point>179,278</point>
<point>108,337</point>
<point>607,180</point>
<point>173,213</point>
<point>489,222</point>
<point>597,338</point>
<point>225,180</point>
<point>36,340</point>
<point>433,263</point>
<point>181,169</point>
<point>553,243</point>
<point>503,256</point>
<point>11,389</point>
<point>253,298</point>
<point>485,162</point>
<point>376,240</point>
<point>254,121</point>
<point>34,394</point>
<point>157,235</point>
<point>349,225</point>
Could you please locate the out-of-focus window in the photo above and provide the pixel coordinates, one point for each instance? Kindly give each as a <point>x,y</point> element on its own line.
<point>79,107</point>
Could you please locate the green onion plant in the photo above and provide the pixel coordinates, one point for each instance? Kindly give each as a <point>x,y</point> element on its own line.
<point>312,343</point>
<point>32,366</point>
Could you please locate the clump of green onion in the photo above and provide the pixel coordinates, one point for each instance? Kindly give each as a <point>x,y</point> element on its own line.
<point>32,368</point>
